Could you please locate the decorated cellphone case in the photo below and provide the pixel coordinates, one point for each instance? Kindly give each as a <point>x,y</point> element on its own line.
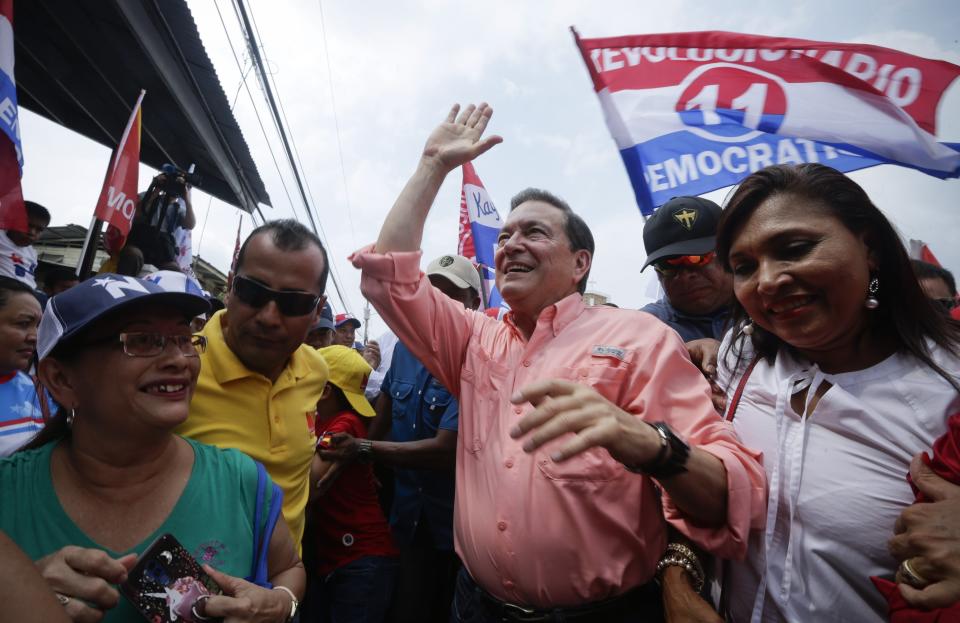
<point>167,584</point>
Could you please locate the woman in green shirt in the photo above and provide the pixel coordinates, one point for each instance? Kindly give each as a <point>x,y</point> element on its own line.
<point>108,476</point>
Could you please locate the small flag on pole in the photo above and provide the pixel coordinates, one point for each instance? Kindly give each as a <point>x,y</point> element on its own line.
<point>479,227</point>
<point>118,199</point>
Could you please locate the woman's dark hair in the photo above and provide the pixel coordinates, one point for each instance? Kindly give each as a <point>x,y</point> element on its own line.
<point>904,312</point>
<point>10,286</point>
<point>57,427</point>
<point>926,270</point>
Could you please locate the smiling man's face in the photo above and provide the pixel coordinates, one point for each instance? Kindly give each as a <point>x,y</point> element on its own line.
<point>534,262</point>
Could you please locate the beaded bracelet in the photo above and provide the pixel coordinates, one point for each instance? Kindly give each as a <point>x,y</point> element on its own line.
<point>677,557</point>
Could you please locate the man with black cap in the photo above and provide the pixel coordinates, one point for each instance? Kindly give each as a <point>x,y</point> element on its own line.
<point>322,331</point>
<point>680,239</point>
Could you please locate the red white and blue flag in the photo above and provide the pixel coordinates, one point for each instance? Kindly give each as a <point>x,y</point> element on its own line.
<point>693,112</point>
<point>118,198</point>
<point>13,214</point>
<point>479,228</point>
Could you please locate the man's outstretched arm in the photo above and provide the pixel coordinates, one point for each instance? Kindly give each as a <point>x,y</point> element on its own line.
<point>455,141</point>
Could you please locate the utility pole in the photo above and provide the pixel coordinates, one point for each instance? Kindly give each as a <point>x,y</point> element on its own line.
<point>366,320</point>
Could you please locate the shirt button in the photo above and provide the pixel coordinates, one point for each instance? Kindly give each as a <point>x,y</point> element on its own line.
<point>508,584</point>
<point>508,463</point>
<point>501,526</point>
<point>583,373</point>
<point>526,363</point>
<point>517,410</point>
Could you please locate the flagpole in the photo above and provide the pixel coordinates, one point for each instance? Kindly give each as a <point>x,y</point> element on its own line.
<point>89,252</point>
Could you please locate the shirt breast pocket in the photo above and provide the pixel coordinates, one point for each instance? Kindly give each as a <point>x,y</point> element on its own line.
<point>400,396</point>
<point>436,399</point>
<point>596,464</point>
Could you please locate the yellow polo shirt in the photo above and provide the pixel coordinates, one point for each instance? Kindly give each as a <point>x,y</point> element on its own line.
<point>234,407</point>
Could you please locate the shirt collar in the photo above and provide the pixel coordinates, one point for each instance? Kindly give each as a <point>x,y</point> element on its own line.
<point>559,315</point>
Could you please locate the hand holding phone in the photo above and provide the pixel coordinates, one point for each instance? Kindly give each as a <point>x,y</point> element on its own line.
<point>168,585</point>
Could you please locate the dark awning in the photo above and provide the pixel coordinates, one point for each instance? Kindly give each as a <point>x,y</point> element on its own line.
<point>83,63</point>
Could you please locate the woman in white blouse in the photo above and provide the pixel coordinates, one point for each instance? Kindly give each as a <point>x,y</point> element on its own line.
<point>855,373</point>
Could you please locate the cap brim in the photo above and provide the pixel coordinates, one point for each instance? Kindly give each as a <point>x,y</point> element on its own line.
<point>353,321</point>
<point>697,246</point>
<point>454,279</point>
<point>360,403</point>
<point>191,305</point>
<point>323,323</point>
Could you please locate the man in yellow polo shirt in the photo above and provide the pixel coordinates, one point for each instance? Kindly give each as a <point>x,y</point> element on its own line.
<point>259,383</point>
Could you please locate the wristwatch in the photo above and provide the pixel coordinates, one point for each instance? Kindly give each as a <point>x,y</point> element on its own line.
<point>670,460</point>
<point>365,451</point>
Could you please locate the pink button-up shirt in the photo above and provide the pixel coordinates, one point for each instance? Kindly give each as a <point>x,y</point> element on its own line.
<point>532,531</point>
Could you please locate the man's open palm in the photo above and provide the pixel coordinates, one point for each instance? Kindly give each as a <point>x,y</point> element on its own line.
<point>458,139</point>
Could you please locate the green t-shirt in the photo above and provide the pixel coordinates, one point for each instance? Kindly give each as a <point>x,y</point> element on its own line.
<point>213,518</point>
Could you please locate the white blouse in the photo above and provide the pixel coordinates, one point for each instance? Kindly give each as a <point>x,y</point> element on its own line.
<point>837,480</point>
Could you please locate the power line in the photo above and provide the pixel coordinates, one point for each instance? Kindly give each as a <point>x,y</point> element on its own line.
<point>271,101</point>
<point>336,122</point>
<point>255,111</point>
<point>313,204</point>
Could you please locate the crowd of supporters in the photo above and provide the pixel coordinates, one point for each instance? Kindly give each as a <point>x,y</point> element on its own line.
<point>776,439</point>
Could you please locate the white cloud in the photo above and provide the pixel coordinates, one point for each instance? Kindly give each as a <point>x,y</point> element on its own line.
<point>397,67</point>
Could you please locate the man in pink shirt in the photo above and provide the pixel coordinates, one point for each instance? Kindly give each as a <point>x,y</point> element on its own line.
<point>568,413</point>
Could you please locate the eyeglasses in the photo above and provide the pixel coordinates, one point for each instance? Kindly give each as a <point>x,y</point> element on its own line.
<point>136,344</point>
<point>670,267</point>
<point>289,303</point>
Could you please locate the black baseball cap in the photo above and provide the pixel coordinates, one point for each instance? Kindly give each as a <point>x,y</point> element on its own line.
<point>682,226</point>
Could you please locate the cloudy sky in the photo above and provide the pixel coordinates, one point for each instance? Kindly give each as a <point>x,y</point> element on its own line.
<point>363,83</point>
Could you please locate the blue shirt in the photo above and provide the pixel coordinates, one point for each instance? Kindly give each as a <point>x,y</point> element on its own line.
<point>421,407</point>
<point>688,326</point>
<point>20,414</point>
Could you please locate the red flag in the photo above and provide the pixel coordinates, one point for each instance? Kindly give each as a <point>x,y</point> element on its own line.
<point>465,237</point>
<point>920,250</point>
<point>118,199</point>
<point>13,215</point>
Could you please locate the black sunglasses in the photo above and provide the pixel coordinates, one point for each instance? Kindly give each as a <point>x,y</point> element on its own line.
<point>289,303</point>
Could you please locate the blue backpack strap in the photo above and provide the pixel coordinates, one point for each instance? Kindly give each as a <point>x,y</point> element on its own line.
<point>258,505</point>
<point>273,516</point>
<point>263,531</point>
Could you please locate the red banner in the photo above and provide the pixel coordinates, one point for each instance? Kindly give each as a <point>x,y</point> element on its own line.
<point>13,215</point>
<point>118,199</point>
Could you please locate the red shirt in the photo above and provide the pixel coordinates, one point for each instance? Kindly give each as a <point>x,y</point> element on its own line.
<point>347,521</point>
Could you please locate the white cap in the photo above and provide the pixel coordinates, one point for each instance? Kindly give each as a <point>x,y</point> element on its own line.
<point>457,269</point>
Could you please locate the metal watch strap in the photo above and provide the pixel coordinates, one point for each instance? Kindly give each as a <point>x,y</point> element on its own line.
<point>365,451</point>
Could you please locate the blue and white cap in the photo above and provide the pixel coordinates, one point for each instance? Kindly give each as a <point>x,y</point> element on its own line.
<point>175,281</point>
<point>325,321</point>
<point>71,311</point>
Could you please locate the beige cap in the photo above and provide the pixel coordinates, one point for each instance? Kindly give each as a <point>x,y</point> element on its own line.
<point>456,268</point>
